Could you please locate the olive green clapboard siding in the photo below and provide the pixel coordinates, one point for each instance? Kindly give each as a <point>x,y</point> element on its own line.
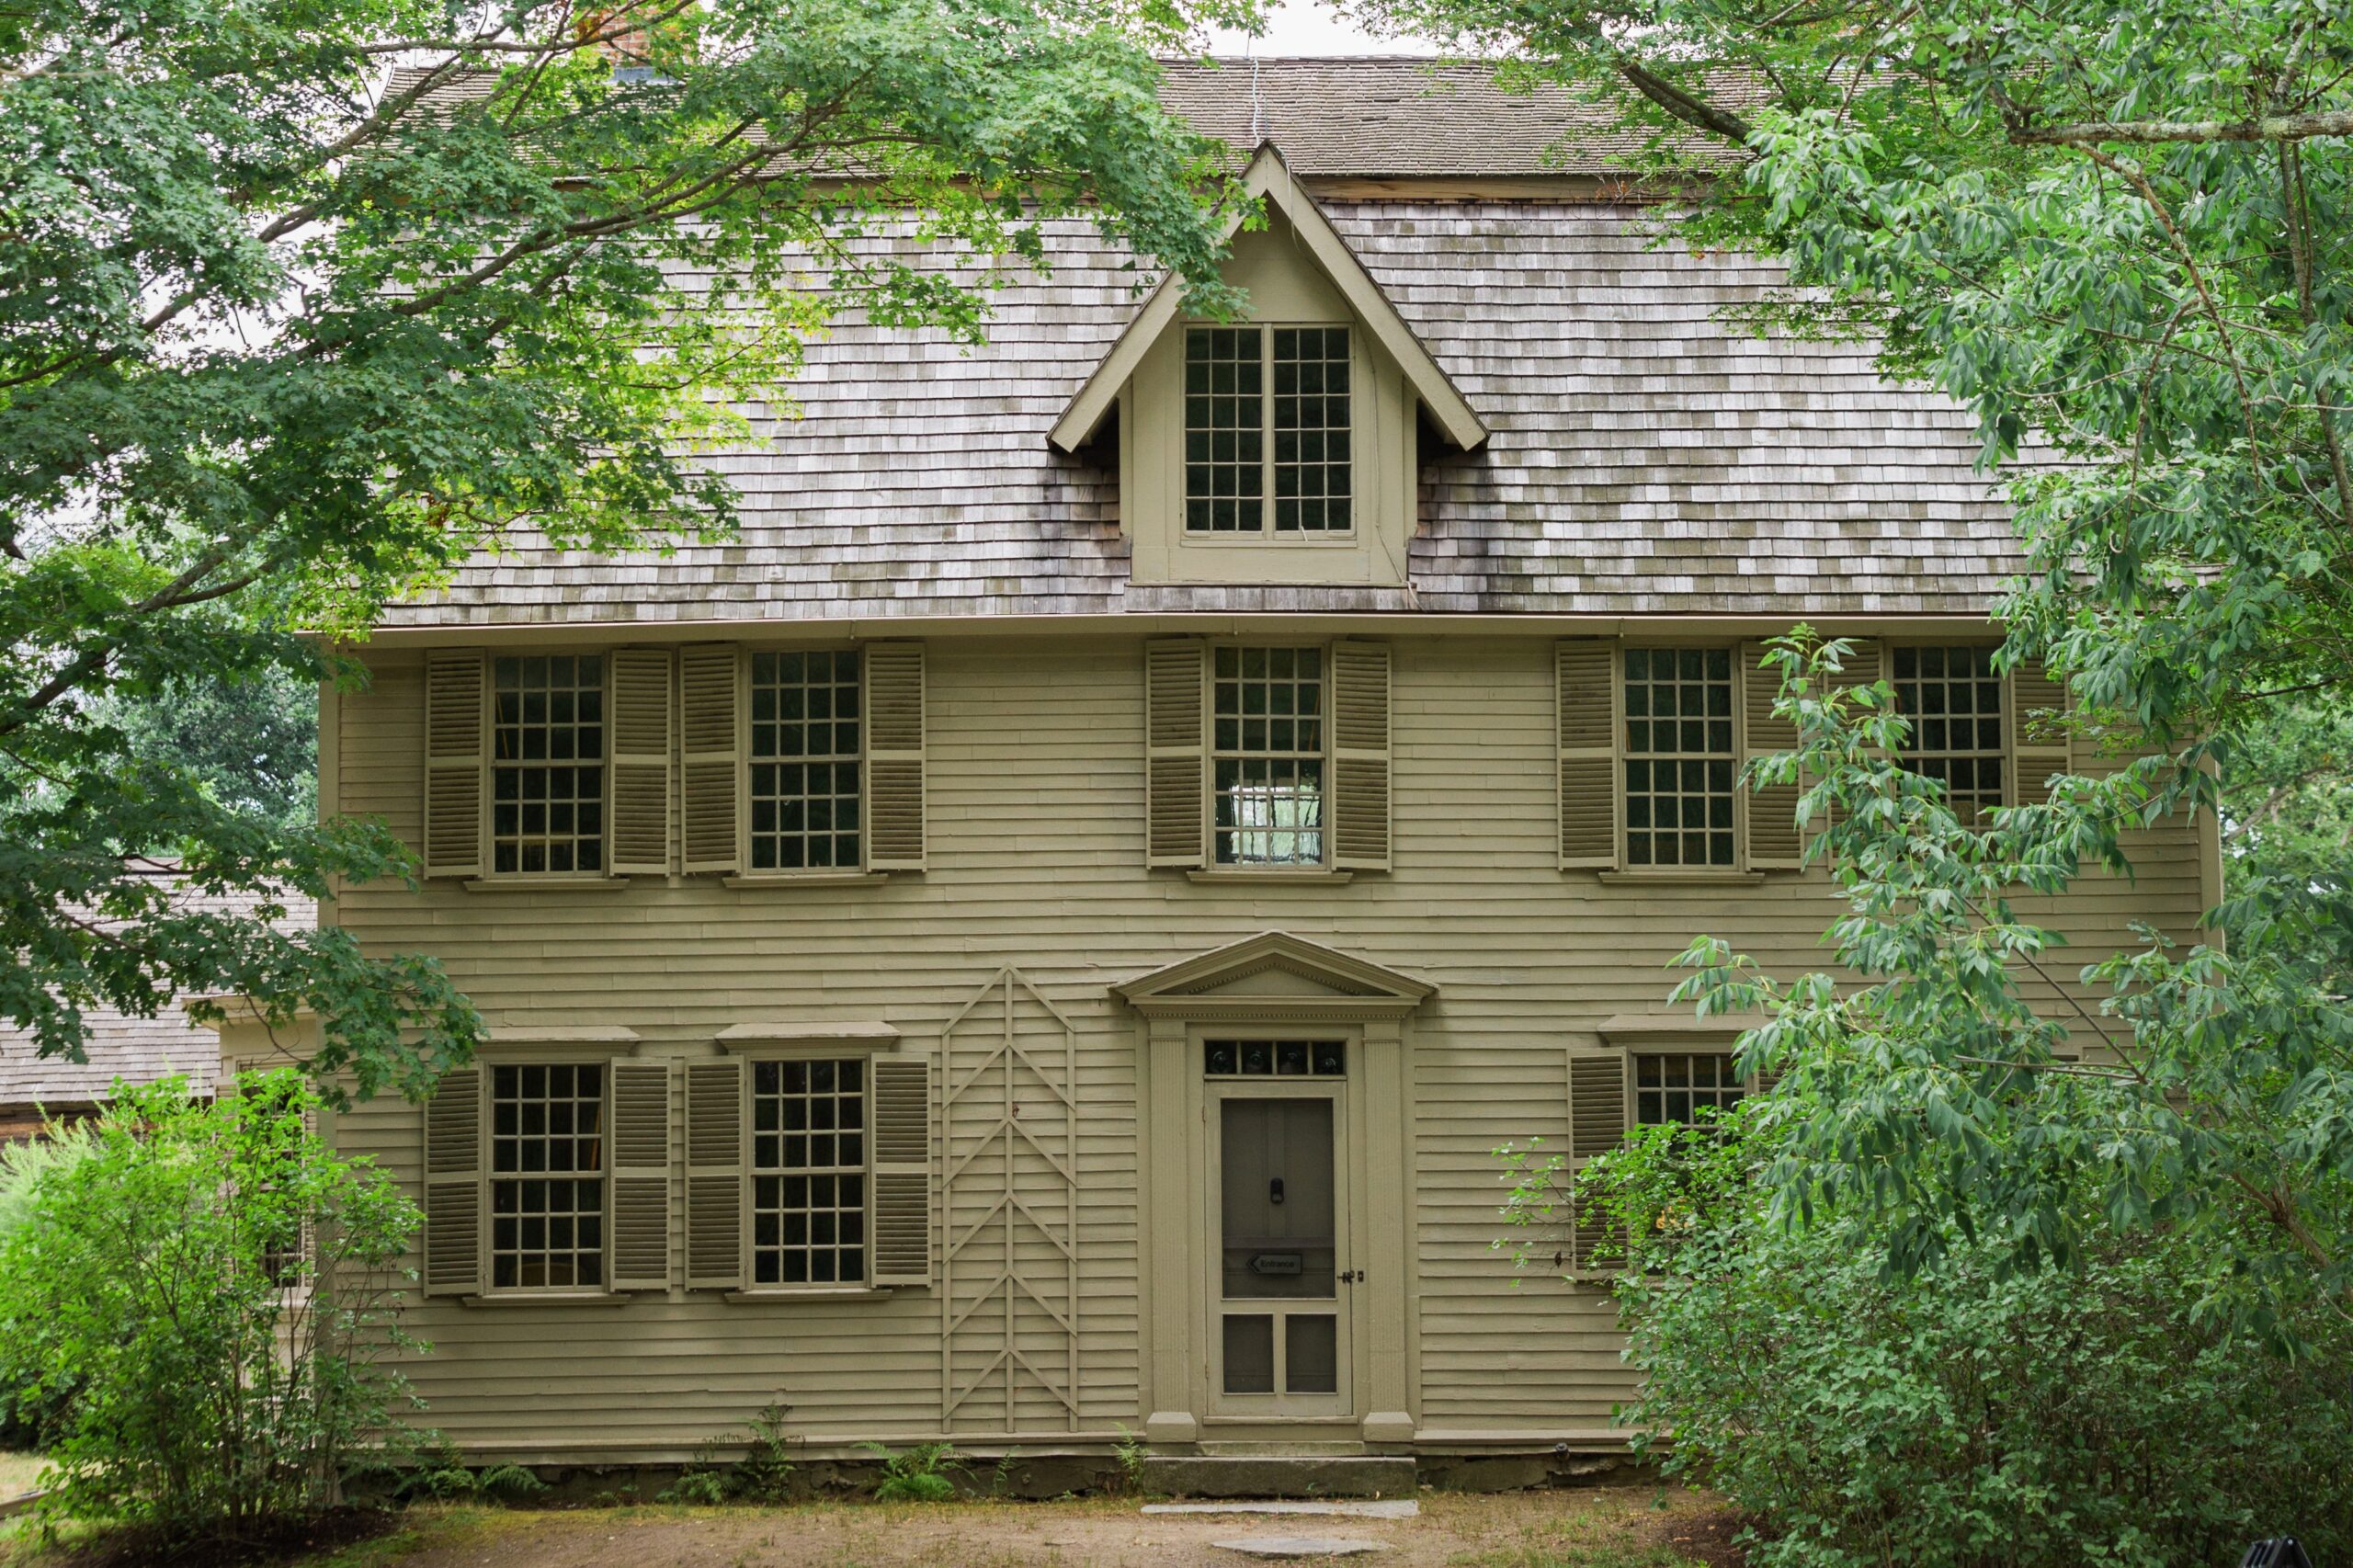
<point>1035,855</point>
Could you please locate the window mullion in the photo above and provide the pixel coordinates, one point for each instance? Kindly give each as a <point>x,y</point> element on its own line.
<point>1266,431</point>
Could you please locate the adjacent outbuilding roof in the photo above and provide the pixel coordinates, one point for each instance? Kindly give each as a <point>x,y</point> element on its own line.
<point>122,1045</point>
<point>1645,456</point>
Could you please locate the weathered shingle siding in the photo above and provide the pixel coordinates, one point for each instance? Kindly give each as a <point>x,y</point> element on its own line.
<point>1648,456</point>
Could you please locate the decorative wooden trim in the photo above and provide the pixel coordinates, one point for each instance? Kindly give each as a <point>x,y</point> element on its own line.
<point>548,1299</point>
<point>765,882</point>
<point>588,881</point>
<point>1175,990</point>
<point>1661,876</point>
<point>1252,877</point>
<point>1268,177</point>
<point>761,1034</point>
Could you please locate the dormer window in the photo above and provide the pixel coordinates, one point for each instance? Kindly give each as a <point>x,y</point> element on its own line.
<point>1248,454</point>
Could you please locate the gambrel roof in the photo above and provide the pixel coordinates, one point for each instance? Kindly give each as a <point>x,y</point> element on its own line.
<point>1645,456</point>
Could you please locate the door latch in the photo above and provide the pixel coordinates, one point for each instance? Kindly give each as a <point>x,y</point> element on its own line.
<point>1352,1276</point>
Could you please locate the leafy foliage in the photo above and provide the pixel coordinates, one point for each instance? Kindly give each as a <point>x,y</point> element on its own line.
<point>250,742</point>
<point>764,1473</point>
<point>285,334</point>
<point>1972,1413</point>
<point>210,1293</point>
<point>924,1474</point>
<point>2118,232</point>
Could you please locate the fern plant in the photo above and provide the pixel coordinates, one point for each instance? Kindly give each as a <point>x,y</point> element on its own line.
<point>920,1475</point>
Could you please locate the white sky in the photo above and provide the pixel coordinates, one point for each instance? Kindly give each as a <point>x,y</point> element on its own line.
<point>1302,27</point>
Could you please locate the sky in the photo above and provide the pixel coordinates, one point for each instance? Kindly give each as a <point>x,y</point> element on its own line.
<point>1302,27</point>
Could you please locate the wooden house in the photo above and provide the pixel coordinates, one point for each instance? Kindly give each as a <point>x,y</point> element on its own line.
<point>1042,936</point>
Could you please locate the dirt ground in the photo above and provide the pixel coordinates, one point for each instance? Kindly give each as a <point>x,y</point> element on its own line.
<point>1598,1528</point>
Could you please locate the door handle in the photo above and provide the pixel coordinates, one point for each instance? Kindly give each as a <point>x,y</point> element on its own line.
<point>1352,1276</point>
<point>1275,1191</point>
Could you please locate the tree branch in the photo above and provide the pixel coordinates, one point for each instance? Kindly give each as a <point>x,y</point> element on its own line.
<point>2268,128</point>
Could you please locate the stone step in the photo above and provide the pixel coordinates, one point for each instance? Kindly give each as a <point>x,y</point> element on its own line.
<point>1285,1475</point>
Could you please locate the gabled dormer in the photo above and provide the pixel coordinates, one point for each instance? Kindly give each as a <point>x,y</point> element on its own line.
<point>1280,446</point>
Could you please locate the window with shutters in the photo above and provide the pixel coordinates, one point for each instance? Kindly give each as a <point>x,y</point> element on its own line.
<point>547,1175</point>
<point>1268,432</point>
<point>548,764</point>
<point>806,761</point>
<point>1267,755</point>
<point>807,1171</point>
<point>1679,756</point>
<point>1671,1087</point>
<point>1952,698</point>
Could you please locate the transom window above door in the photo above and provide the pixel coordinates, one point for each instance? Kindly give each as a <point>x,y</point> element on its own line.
<point>1275,1059</point>
<point>1268,420</point>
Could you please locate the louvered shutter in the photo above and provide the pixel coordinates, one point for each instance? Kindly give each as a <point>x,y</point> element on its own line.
<point>1775,842</point>
<point>1176,754</point>
<point>2038,740</point>
<point>894,757</point>
<point>457,726</point>
<point>1586,695</point>
<point>1596,1125</point>
<point>640,1145</point>
<point>902,1170</point>
<point>453,1185</point>
<point>641,686</point>
<point>1360,755</point>
<point>715,1175</point>
<point>711,768</point>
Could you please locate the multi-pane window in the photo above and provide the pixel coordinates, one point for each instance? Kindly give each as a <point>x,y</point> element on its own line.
<point>805,760</point>
<point>809,1172</point>
<point>1224,430</point>
<point>1953,698</point>
<point>1669,1088</point>
<point>1679,756</point>
<point>547,807</point>
<point>1275,1059</point>
<point>1311,428</point>
<point>547,1175</point>
<point>1244,447</point>
<point>1267,756</point>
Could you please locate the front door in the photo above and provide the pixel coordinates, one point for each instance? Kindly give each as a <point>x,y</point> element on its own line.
<point>1279,1331</point>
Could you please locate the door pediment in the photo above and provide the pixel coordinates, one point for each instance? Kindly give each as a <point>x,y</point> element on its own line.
<point>1275,975</point>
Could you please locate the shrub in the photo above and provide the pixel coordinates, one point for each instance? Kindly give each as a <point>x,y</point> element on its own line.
<point>210,1292</point>
<point>1974,1414</point>
<point>28,1418</point>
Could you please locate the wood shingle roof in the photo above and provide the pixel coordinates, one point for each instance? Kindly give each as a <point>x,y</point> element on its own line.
<point>1647,456</point>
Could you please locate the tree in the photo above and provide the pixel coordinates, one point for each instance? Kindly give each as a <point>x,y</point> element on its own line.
<point>201,1302</point>
<point>249,741</point>
<point>285,334</point>
<point>2117,231</point>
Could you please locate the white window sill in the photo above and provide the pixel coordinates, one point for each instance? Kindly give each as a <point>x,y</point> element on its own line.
<point>544,884</point>
<point>1672,876</point>
<point>805,879</point>
<point>1249,877</point>
<point>811,1293</point>
<point>548,1299</point>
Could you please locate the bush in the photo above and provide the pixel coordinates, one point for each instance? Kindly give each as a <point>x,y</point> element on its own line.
<point>921,1474</point>
<point>28,1417</point>
<point>1972,1415</point>
<point>208,1293</point>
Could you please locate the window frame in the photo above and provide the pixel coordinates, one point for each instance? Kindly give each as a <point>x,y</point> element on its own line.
<point>753,1062</point>
<point>748,657</point>
<point>1622,753</point>
<point>1210,755</point>
<point>491,1060</point>
<point>1267,534</point>
<point>825,1048</point>
<point>2006,712</point>
<point>490,765</point>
